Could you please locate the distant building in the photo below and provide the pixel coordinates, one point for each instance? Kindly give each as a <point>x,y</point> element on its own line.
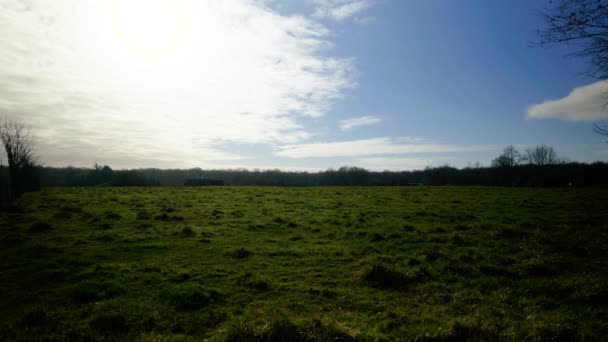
<point>202,182</point>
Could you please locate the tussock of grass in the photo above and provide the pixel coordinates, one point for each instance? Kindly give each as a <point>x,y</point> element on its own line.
<point>34,318</point>
<point>165,217</point>
<point>188,296</point>
<point>110,324</point>
<point>11,239</point>
<point>383,276</point>
<point>187,232</point>
<point>281,330</point>
<point>62,215</point>
<point>240,253</point>
<point>461,332</point>
<point>39,227</point>
<point>112,215</point>
<point>257,283</point>
<point>408,228</point>
<point>142,215</point>
<point>91,290</point>
<point>377,237</point>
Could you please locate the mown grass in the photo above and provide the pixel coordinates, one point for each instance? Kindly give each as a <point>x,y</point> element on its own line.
<point>305,264</point>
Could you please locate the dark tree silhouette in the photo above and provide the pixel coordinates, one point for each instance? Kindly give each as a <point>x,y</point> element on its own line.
<point>584,23</point>
<point>19,148</point>
<point>510,157</point>
<point>541,155</point>
<point>601,130</point>
<point>100,175</point>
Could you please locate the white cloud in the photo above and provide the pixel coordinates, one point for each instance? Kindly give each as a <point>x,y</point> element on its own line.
<point>586,103</point>
<point>365,20</point>
<point>340,9</point>
<point>372,147</point>
<point>162,83</point>
<point>361,121</point>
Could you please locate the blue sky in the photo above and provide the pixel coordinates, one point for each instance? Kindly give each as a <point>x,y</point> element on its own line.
<point>304,85</point>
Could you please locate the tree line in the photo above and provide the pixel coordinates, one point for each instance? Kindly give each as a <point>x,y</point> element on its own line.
<point>528,174</point>
<point>537,166</point>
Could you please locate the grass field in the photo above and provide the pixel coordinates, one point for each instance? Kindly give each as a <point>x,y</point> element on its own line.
<point>334,264</point>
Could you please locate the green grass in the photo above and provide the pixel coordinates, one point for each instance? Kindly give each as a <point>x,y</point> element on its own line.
<point>305,264</point>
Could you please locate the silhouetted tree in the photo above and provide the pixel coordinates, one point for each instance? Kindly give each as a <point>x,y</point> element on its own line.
<point>510,157</point>
<point>100,175</point>
<point>585,23</point>
<point>541,155</point>
<point>601,130</point>
<point>19,148</point>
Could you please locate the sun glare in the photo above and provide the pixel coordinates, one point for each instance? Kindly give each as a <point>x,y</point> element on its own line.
<point>148,27</point>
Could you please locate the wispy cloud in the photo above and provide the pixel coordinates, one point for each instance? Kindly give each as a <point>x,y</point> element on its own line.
<point>349,124</point>
<point>340,9</point>
<point>231,71</point>
<point>586,103</point>
<point>373,147</point>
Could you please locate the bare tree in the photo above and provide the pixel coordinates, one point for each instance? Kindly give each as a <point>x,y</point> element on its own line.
<point>600,130</point>
<point>541,155</point>
<point>510,157</point>
<point>19,148</point>
<point>585,24</point>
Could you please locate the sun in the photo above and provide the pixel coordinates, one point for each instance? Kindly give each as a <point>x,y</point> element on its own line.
<point>148,27</point>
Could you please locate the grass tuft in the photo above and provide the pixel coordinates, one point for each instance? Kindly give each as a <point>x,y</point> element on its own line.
<point>240,253</point>
<point>39,227</point>
<point>383,276</point>
<point>187,232</point>
<point>188,296</point>
<point>91,291</point>
<point>110,324</point>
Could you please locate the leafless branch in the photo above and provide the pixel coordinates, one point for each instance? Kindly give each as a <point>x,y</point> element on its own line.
<point>582,21</point>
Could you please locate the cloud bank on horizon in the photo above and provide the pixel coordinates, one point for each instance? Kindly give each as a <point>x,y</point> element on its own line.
<point>373,147</point>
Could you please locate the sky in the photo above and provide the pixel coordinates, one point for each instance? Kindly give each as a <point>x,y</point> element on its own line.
<point>292,84</point>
